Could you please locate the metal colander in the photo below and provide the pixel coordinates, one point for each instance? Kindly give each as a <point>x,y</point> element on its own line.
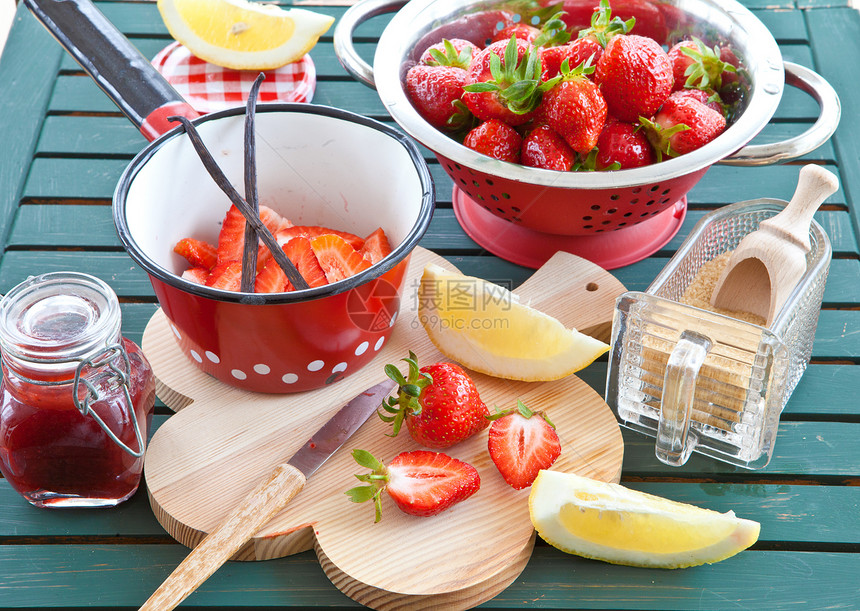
<point>584,203</point>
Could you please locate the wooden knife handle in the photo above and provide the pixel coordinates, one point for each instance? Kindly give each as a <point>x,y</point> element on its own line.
<point>255,511</point>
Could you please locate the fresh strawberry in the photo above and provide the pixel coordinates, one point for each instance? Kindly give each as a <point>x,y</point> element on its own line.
<point>635,77</point>
<point>231,238</point>
<point>421,483</point>
<point>495,139</point>
<point>271,279</point>
<point>198,275</point>
<point>575,52</point>
<point>299,251</point>
<point>338,259</point>
<point>621,146</point>
<point>521,443</point>
<point>439,404</point>
<point>519,30</point>
<point>574,107</point>
<point>708,98</point>
<point>683,125</point>
<point>455,52</point>
<point>694,65</point>
<point>376,246</point>
<point>197,252</point>
<point>504,80</point>
<point>226,275</point>
<point>544,148</point>
<point>435,91</point>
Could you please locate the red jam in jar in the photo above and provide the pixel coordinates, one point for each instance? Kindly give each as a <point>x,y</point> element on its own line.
<point>76,398</point>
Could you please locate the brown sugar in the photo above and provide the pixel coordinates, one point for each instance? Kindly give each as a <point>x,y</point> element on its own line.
<point>698,293</point>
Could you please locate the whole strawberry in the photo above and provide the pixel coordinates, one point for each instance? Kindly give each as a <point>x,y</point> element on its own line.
<point>575,52</point>
<point>439,404</point>
<point>435,91</point>
<point>574,107</point>
<point>621,146</point>
<point>504,81</point>
<point>420,483</point>
<point>521,443</point>
<point>495,139</point>
<point>456,52</point>
<point>683,124</point>
<point>708,98</point>
<point>544,148</point>
<point>635,76</point>
<point>694,65</point>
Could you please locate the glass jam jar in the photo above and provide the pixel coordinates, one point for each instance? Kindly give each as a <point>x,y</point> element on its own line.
<point>76,398</point>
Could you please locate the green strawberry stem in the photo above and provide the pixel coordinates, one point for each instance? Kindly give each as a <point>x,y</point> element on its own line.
<point>707,68</point>
<point>522,409</point>
<point>515,82</point>
<point>409,392</point>
<point>451,57</point>
<point>376,480</point>
<point>604,26</point>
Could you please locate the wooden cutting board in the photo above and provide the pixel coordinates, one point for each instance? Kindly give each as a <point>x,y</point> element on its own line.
<point>223,441</point>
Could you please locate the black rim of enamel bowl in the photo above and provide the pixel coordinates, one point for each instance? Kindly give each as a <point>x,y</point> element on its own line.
<point>397,254</point>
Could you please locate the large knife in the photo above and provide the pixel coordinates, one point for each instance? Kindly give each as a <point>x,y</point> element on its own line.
<point>265,501</point>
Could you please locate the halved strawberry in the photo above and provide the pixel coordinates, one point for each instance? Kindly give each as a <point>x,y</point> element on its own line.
<point>521,443</point>
<point>337,257</point>
<point>299,251</point>
<point>198,275</point>
<point>421,483</point>
<point>231,238</point>
<point>376,246</point>
<point>271,279</point>
<point>226,276</point>
<point>197,252</point>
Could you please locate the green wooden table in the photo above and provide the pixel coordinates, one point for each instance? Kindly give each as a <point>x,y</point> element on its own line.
<point>63,147</point>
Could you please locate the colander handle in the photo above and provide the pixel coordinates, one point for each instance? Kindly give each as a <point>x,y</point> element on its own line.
<point>344,46</point>
<point>828,119</point>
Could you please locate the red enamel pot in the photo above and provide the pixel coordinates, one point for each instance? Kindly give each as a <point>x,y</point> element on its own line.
<point>315,166</point>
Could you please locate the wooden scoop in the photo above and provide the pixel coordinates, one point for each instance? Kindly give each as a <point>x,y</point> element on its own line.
<point>768,263</point>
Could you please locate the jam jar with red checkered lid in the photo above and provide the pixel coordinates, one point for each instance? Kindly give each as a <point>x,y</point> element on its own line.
<point>77,397</point>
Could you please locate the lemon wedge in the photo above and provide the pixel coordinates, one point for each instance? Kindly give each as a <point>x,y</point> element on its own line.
<point>615,524</point>
<point>243,35</point>
<point>484,327</point>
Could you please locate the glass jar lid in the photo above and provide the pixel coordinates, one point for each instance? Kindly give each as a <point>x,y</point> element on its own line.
<point>58,317</point>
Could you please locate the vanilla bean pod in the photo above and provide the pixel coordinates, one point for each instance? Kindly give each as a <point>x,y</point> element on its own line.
<point>221,180</point>
<point>249,255</point>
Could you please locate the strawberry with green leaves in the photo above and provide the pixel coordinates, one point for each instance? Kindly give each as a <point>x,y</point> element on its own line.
<point>683,124</point>
<point>694,65</point>
<point>521,443</point>
<point>456,52</point>
<point>504,81</point>
<point>635,77</point>
<point>421,483</point>
<point>574,107</point>
<point>439,404</point>
<point>436,87</point>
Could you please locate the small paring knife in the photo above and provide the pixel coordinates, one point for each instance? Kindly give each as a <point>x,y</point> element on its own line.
<point>272,494</point>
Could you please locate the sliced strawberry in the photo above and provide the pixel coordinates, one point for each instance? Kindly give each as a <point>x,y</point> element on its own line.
<point>226,276</point>
<point>271,279</point>
<point>197,252</point>
<point>299,251</point>
<point>312,231</point>
<point>337,257</point>
<point>376,246</point>
<point>231,238</point>
<point>521,443</point>
<point>421,483</point>
<point>198,275</point>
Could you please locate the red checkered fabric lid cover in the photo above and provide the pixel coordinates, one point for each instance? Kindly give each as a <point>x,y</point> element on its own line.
<point>209,88</point>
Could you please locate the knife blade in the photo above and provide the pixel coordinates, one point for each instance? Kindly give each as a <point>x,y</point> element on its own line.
<point>269,497</point>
